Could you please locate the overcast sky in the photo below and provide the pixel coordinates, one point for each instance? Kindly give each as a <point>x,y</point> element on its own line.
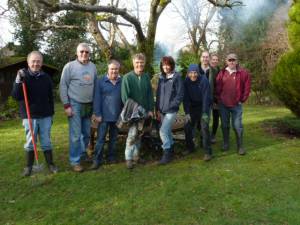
<point>169,31</point>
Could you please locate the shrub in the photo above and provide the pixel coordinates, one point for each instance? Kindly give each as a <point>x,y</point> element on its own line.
<point>286,81</point>
<point>9,109</point>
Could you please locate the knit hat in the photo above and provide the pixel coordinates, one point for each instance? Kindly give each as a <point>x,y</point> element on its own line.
<point>193,67</point>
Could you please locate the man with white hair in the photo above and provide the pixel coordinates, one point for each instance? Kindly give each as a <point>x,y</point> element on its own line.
<point>41,107</point>
<point>76,92</point>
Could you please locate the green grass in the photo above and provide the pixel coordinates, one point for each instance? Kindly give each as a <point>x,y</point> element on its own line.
<point>259,188</point>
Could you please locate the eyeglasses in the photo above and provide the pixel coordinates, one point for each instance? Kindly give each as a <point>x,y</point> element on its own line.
<point>231,60</point>
<point>86,52</point>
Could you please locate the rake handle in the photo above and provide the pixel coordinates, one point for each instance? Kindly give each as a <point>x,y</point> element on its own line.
<point>29,121</point>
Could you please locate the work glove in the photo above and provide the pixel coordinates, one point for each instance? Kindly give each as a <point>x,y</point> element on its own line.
<point>20,76</point>
<point>205,117</point>
<point>187,118</point>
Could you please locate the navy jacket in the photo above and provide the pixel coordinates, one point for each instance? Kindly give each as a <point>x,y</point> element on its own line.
<point>39,92</point>
<point>169,93</point>
<point>196,93</point>
<point>107,101</point>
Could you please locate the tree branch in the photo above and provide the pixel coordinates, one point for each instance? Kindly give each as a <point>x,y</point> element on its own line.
<point>226,3</point>
<point>93,9</point>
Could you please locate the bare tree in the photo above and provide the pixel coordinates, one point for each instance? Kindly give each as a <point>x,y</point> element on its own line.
<point>118,17</point>
<point>196,16</point>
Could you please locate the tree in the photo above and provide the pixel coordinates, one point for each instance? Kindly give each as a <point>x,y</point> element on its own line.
<point>196,16</point>
<point>117,16</point>
<point>243,30</point>
<point>286,76</point>
<point>22,19</point>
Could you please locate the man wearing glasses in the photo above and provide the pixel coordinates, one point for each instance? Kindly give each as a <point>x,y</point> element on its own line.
<point>76,92</point>
<point>233,89</point>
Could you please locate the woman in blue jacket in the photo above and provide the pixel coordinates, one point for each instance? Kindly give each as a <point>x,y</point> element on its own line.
<point>168,98</point>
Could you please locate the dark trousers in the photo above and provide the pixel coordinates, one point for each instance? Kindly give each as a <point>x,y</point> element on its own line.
<point>113,134</point>
<point>196,114</point>
<point>215,122</point>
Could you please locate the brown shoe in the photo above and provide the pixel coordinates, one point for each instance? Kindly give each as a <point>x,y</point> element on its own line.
<point>207,157</point>
<point>129,164</point>
<point>78,168</point>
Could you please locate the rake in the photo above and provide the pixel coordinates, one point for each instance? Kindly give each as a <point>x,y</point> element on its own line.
<point>37,167</point>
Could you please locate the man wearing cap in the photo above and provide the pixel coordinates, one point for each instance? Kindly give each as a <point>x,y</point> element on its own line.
<point>76,92</point>
<point>233,88</point>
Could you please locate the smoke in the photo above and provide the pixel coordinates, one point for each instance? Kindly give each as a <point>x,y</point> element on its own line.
<point>252,12</point>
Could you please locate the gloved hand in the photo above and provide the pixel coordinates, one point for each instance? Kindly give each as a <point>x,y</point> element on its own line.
<point>187,118</point>
<point>20,76</point>
<point>205,117</point>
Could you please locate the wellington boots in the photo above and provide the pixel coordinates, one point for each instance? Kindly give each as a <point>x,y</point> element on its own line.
<point>166,158</point>
<point>29,163</point>
<point>49,159</point>
<point>239,142</point>
<point>225,139</point>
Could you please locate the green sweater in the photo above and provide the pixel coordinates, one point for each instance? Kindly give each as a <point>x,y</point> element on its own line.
<point>138,89</point>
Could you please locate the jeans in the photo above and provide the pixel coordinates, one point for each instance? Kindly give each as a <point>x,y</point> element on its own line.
<point>196,114</point>
<point>235,113</point>
<point>42,128</point>
<point>133,143</point>
<point>165,131</point>
<point>79,132</point>
<point>113,134</point>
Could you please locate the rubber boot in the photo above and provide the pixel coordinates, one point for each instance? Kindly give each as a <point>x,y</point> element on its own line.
<point>166,158</point>
<point>239,142</point>
<point>225,139</point>
<point>29,163</point>
<point>49,159</point>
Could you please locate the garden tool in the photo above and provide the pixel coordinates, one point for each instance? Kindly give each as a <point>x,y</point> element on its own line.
<point>37,167</point>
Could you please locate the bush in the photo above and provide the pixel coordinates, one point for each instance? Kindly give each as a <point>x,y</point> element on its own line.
<point>9,109</point>
<point>286,81</point>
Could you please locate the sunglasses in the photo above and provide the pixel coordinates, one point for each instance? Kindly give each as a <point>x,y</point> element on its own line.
<point>231,60</point>
<point>87,52</point>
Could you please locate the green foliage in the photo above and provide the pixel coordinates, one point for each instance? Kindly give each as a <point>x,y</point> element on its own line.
<point>184,59</point>
<point>9,109</point>
<point>286,76</point>
<point>63,42</point>
<point>23,19</point>
<point>294,26</point>
<point>286,81</point>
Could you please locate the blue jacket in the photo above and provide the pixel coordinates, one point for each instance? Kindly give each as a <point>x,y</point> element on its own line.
<point>107,99</point>
<point>169,93</point>
<point>196,93</point>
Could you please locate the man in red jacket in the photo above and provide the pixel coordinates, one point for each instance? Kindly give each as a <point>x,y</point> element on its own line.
<point>233,88</point>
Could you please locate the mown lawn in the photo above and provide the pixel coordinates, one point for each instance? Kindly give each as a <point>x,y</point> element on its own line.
<point>262,187</point>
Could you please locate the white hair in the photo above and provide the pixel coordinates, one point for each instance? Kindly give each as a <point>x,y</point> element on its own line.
<point>83,45</point>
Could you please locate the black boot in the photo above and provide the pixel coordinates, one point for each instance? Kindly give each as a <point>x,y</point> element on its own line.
<point>49,160</point>
<point>225,139</point>
<point>166,158</point>
<point>239,142</point>
<point>29,163</point>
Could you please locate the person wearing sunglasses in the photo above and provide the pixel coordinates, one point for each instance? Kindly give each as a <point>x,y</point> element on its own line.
<point>233,89</point>
<point>76,92</point>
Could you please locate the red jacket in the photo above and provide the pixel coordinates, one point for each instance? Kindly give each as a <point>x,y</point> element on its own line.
<point>242,86</point>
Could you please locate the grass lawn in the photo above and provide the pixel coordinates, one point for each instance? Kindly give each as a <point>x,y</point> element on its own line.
<point>262,187</point>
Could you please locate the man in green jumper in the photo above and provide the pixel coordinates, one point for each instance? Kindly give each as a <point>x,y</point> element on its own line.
<point>136,85</point>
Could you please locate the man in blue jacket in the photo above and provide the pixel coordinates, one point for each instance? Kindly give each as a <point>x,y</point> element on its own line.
<point>196,103</point>
<point>107,108</point>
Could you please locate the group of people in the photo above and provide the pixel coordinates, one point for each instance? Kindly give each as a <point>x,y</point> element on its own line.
<point>113,100</point>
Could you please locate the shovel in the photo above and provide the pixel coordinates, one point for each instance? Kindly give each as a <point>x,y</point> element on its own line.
<point>37,167</point>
